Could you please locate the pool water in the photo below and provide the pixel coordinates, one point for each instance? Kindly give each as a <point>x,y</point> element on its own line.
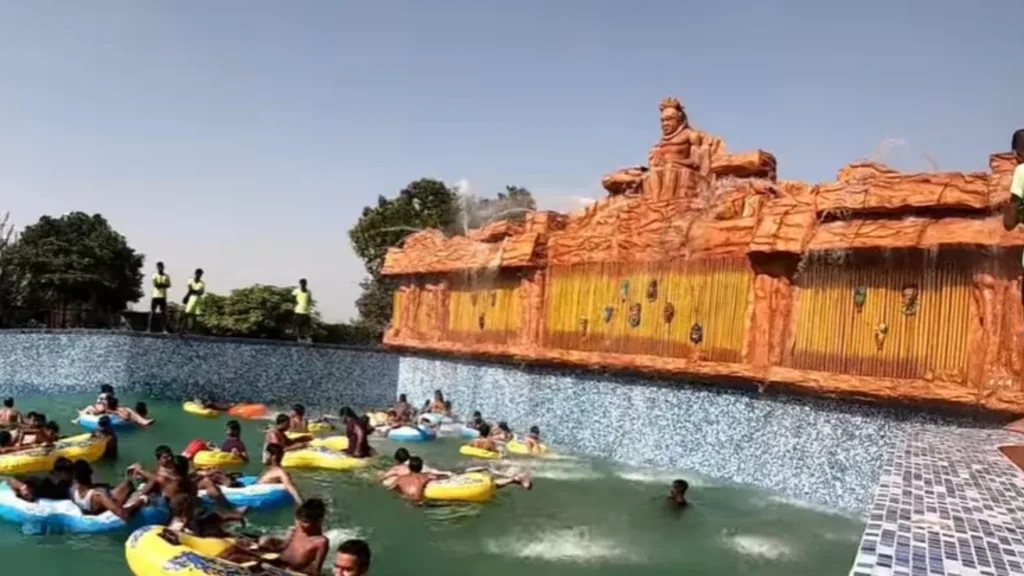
<point>584,516</point>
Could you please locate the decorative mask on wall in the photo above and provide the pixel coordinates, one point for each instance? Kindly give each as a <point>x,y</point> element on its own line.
<point>910,300</point>
<point>624,290</point>
<point>860,295</point>
<point>474,298</point>
<point>697,333</point>
<point>584,324</point>
<point>668,312</point>
<point>881,331</point>
<point>652,291</point>
<point>480,321</point>
<point>494,298</point>
<point>634,315</point>
<point>606,314</point>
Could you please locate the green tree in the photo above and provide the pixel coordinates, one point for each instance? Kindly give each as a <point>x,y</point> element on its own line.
<point>76,260</point>
<point>8,279</point>
<point>513,205</point>
<point>423,204</point>
<point>257,311</point>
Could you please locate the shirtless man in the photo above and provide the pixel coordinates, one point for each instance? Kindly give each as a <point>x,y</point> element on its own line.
<point>275,474</point>
<point>501,432</point>
<point>403,411</point>
<point>112,406</point>
<point>401,468</point>
<point>436,405</point>
<point>9,417</point>
<point>353,559</point>
<point>184,519</point>
<point>276,435</point>
<point>297,419</point>
<point>532,440</point>
<point>484,441</point>
<point>30,427</point>
<point>677,494</point>
<point>302,551</point>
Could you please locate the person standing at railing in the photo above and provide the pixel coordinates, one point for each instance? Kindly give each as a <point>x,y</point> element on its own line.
<point>161,282</point>
<point>303,297</point>
<point>193,300</point>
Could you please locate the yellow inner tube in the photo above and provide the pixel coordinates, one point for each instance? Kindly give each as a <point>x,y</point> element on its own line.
<point>517,447</point>
<point>80,447</point>
<point>319,427</point>
<point>150,555</point>
<point>322,458</point>
<point>336,443</point>
<point>467,450</point>
<point>217,458</point>
<point>198,410</point>
<point>471,487</point>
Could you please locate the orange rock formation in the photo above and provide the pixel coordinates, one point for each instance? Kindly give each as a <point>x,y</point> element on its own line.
<point>881,285</point>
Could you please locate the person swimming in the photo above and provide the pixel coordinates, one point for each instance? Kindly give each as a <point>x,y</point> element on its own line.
<point>29,429</point>
<point>112,406</point>
<point>93,499</point>
<point>278,435</point>
<point>233,443</point>
<point>411,486</point>
<point>302,551</point>
<point>436,405</point>
<point>401,468</point>
<point>56,485</point>
<point>105,431</point>
<point>532,440</point>
<point>501,432</point>
<point>403,411</point>
<point>677,493</point>
<point>475,421</point>
<point>9,417</point>
<point>273,473</point>
<point>484,441</point>
<point>352,559</point>
<point>297,419</point>
<point>357,432</point>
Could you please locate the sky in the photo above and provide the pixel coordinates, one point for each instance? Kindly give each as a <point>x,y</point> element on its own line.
<point>245,137</point>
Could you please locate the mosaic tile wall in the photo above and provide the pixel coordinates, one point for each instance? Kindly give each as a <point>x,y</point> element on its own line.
<point>825,452</point>
<point>175,368</point>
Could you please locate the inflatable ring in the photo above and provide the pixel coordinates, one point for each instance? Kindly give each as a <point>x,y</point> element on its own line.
<point>410,434</point>
<point>217,458</point>
<point>253,495</point>
<point>297,435</point>
<point>323,459</point>
<point>471,487</point>
<point>336,443</point>
<point>81,447</point>
<point>475,452</point>
<point>319,427</point>
<point>248,411</point>
<point>64,516</point>
<point>148,554</point>
<point>436,419</point>
<point>200,410</point>
<point>517,447</point>
<point>92,421</point>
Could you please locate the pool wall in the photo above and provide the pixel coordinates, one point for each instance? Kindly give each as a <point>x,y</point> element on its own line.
<point>826,452</point>
<point>65,362</point>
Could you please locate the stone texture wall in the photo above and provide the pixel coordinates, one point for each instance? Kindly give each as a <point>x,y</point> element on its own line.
<point>34,362</point>
<point>822,451</point>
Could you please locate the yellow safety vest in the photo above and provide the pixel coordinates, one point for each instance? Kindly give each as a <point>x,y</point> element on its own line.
<point>160,284</point>
<point>302,301</point>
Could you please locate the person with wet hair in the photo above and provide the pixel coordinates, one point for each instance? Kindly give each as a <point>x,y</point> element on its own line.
<point>677,493</point>
<point>303,550</point>
<point>352,559</point>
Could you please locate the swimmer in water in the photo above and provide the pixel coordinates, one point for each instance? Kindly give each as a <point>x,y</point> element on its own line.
<point>436,405</point>
<point>275,474</point>
<point>212,405</point>
<point>677,494</point>
<point>484,441</point>
<point>297,419</point>
<point>93,499</point>
<point>501,432</point>
<point>277,435</point>
<point>411,486</point>
<point>113,407</point>
<point>357,431</point>
<point>403,411</point>
<point>54,486</point>
<point>475,421</point>
<point>401,468</point>
<point>105,431</point>
<point>303,550</point>
<point>532,440</point>
<point>353,559</point>
<point>29,429</point>
<point>9,417</point>
<point>233,443</point>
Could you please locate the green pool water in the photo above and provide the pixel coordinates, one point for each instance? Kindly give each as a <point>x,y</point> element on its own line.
<point>584,516</point>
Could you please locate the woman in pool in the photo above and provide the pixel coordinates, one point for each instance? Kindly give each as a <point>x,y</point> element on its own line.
<point>111,406</point>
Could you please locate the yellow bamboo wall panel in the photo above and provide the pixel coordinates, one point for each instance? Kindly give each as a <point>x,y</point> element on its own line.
<point>498,301</point>
<point>710,292</point>
<point>832,335</point>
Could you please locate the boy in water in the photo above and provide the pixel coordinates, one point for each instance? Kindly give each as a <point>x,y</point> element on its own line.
<point>501,432</point>
<point>401,468</point>
<point>9,417</point>
<point>105,431</point>
<point>30,429</point>
<point>475,421</point>
<point>275,474</point>
<point>353,559</point>
<point>532,440</point>
<point>403,411</point>
<point>677,494</point>
<point>277,435</point>
<point>302,551</point>
<point>412,486</point>
<point>484,442</point>
<point>233,443</point>
<point>297,419</point>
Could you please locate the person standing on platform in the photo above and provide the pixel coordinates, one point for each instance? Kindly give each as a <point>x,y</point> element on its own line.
<point>1012,211</point>
<point>194,300</point>
<point>303,298</point>
<point>161,282</point>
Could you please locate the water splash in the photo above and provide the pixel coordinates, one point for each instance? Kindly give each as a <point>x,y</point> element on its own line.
<point>576,545</point>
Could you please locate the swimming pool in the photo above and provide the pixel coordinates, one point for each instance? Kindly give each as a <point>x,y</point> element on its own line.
<point>584,516</point>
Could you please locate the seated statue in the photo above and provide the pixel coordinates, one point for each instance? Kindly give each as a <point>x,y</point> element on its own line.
<point>679,147</point>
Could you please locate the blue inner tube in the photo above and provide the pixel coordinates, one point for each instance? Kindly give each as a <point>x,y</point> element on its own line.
<point>410,434</point>
<point>256,496</point>
<point>470,433</point>
<point>48,516</point>
<point>92,422</point>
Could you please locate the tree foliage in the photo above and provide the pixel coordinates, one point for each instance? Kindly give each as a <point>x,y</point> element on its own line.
<point>257,311</point>
<point>73,260</point>
<point>423,204</point>
<point>8,278</point>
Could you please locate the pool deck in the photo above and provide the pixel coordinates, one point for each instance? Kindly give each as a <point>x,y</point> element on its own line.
<point>948,503</point>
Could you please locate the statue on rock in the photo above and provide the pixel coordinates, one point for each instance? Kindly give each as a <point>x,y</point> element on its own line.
<point>679,147</point>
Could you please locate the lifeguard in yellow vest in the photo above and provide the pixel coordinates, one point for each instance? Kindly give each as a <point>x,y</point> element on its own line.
<point>161,282</point>
<point>193,300</point>
<point>303,300</point>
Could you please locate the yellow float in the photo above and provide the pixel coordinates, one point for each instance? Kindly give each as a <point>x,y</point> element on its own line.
<point>319,427</point>
<point>148,554</point>
<point>81,447</point>
<point>336,443</point>
<point>199,410</point>
<point>467,450</point>
<point>217,458</point>
<point>322,458</point>
<point>471,487</point>
<point>517,447</point>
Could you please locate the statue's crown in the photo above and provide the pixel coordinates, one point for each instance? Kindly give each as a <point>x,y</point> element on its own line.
<point>671,103</point>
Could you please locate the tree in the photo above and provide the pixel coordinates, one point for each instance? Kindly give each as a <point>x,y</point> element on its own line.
<point>257,311</point>
<point>513,205</point>
<point>76,260</point>
<point>8,279</point>
<point>423,204</point>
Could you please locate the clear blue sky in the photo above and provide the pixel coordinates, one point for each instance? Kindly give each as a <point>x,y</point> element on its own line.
<point>245,136</point>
